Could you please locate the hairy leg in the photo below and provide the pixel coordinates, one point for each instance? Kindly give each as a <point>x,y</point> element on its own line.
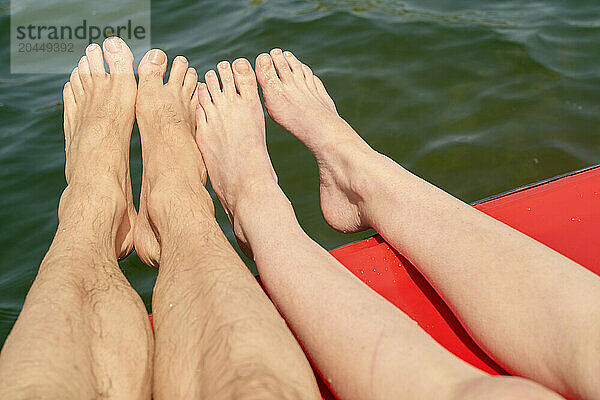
<point>530,308</point>
<point>83,331</point>
<point>217,334</point>
<point>364,347</point>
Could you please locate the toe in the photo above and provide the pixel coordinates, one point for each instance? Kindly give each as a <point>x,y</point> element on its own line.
<point>309,78</point>
<point>76,84</point>
<point>118,56</point>
<point>178,71</point>
<point>265,71</point>
<point>245,80</point>
<point>194,97</point>
<point>95,60</point>
<point>281,64</point>
<point>152,68</point>
<point>203,111</point>
<point>84,72</point>
<point>200,119</point>
<point>294,63</point>
<point>204,96</point>
<point>212,83</point>
<point>69,105</point>
<point>68,96</point>
<point>226,78</point>
<point>323,93</point>
<point>190,82</point>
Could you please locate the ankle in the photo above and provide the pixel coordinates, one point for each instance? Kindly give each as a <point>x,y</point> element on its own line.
<point>109,166</point>
<point>91,218</point>
<point>255,193</point>
<point>178,205</point>
<point>100,202</point>
<point>264,207</point>
<point>357,168</point>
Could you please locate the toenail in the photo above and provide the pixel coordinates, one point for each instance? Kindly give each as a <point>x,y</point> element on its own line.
<point>113,44</point>
<point>93,46</point>
<point>287,53</point>
<point>241,66</point>
<point>276,51</point>
<point>264,60</point>
<point>157,57</point>
<point>223,65</point>
<point>211,73</point>
<point>181,59</point>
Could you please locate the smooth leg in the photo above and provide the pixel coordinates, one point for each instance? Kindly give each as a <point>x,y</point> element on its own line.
<point>83,332</point>
<point>217,334</point>
<point>533,310</point>
<point>364,347</point>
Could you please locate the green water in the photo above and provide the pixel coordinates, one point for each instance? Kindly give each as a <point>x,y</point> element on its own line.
<point>476,96</point>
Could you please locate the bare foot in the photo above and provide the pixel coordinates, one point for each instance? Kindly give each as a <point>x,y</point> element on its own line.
<point>99,115</point>
<point>173,166</point>
<point>296,99</point>
<point>231,135</point>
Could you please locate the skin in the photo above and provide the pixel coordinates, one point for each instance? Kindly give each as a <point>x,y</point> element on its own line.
<point>217,334</point>
<point>363,346</point>
<point>83,332</point>
<point>479,261</point>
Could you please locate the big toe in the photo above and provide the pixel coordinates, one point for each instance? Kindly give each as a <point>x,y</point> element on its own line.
<point>152,68</point>
<point>118,56</point>
<point>265,71</point>
<point>95,60</point>
<point>245,80</point>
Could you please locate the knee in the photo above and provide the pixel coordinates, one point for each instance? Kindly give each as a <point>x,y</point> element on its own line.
<point>503,388</point>
<point>44,386</point>
<point>581,370</point>
<point>256,383</point>
<point>587,381</point>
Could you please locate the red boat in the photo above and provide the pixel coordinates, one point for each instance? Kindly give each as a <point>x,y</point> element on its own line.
<point>562,212</point>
